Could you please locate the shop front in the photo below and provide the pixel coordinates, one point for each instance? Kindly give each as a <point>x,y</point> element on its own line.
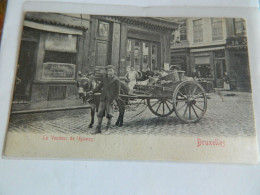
<point>238,63</point>
<point>209,64</point>
<point>55,47</point>
<point>50,57</point>
<point>180,58</point>
<point>142,43</point>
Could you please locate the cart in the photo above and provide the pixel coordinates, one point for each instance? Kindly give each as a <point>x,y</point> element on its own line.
<point>172,93</point>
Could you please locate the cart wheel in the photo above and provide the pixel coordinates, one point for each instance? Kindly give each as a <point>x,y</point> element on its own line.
<point>161,107</point>
<point>190,101</point>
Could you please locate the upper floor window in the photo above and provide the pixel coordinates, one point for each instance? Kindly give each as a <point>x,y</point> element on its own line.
<point>217,29</point>
<point>183,30</point>
<point>197,31</point>
<point>240,26</point>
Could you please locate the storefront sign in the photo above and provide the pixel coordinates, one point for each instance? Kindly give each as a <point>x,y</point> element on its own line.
<point>237,41</point>
<point>58,71</point>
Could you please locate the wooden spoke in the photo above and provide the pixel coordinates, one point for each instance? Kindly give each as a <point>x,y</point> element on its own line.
<point>189,112</point>
<point>167,106</point>
<point>185,111</point>
<point>185,98</point>
<point>194,90</point>
<point>155,103</point>
<point>188,95</point>
<point>163,107</point>
<point>198,96</point>
<point>194,111</point>
<point>169,102</point>
<point>198,107</point>
<point>158,107</point>
<point>182,95</point>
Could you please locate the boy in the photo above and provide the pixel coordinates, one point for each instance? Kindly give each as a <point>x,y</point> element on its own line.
<point>110,91</point>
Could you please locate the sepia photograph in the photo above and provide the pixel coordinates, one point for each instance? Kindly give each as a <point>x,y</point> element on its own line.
<point>136,88</point>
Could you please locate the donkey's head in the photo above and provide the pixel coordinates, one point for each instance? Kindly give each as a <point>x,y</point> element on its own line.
<point>82,84</point>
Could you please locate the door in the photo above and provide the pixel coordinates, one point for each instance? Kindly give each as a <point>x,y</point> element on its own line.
<point>25,72</point>
<point>220,69</point>
<point>102,47</point>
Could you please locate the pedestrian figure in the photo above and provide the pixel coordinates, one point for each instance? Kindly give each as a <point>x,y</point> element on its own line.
<point>131,76</point>
<point>163,72</point>
<point>146,74</point>
<point>226,82</point>
<point>110,91</point>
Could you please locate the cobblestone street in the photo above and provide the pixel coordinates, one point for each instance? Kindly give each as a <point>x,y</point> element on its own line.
<point>225,116</point>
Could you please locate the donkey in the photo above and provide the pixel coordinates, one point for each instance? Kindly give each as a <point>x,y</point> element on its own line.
<point>86,84</point>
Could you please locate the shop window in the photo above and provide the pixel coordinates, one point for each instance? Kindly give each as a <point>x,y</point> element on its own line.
<point>141,55</point>
<point>60,48</point>
<point>240,26</point>
<point>179,61</point>
<point>128,55</point>
<point>217,29</point>
<point>61,42</point>
<point>181,33</point>
<point>197,31</point>
<point>137,55</point>
<point>203,71</point>
<point>61,57</point>
<point>145,55</point>
<point>154,56</point>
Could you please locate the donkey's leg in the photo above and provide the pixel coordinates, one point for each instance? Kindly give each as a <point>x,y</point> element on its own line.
<point>118,119</point>
<point>92,108</point>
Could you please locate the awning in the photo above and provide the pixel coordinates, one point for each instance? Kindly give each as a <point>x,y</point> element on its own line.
<point>147,22</point>
<point>79,21</point>
<point>51,28</point>
<point>207,49</point>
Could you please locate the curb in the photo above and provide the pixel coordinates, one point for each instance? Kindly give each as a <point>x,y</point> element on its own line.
<point>49,110</point>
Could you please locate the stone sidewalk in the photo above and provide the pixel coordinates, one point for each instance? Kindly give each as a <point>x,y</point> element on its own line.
<point>225,116</point>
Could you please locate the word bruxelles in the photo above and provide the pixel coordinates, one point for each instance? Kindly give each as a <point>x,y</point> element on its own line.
<point>215,142</point>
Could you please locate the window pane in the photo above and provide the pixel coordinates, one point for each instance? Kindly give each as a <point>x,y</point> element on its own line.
<point>197,31</point>
<point>145,55</point>
<point>128,55</point>
<point>154,56</point>
<point>183,30</point>
<point>137,55</point>
<point>240,26</point>
<point>217,29</point>
<point>203,71</point>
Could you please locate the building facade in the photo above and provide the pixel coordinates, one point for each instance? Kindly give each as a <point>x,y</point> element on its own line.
<point>55,47</point>
<point>211,47</point>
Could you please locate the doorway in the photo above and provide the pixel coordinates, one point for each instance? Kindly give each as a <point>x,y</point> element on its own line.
<point>142,55</point>
<point>220,69</point>
<point>25,72</point>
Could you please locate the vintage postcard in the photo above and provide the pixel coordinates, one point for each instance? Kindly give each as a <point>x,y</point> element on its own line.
<point>135,88</point>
